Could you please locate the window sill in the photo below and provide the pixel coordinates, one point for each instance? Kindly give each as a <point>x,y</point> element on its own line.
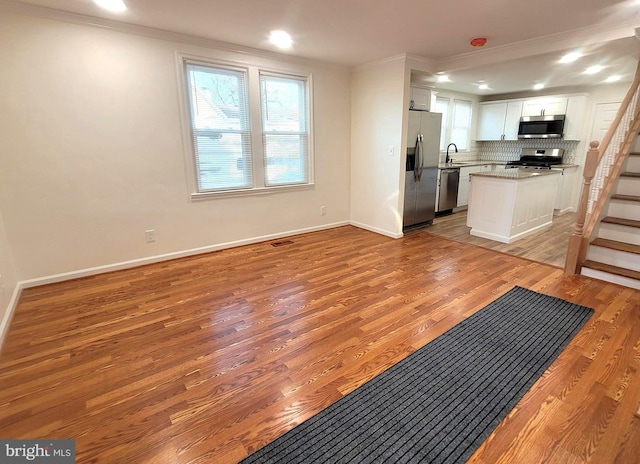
<point>199,196</point>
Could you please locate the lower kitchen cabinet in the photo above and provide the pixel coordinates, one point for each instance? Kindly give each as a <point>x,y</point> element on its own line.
<point>464,185</point>
<point>566,185</point>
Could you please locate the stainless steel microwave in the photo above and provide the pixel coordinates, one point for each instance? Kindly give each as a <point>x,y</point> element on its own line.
<point>541,127</point>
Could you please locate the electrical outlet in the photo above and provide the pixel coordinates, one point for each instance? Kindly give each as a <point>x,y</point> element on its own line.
<point>323,210</point>
<point>150,235</point>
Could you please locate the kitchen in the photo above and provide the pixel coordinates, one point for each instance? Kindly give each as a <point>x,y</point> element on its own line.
<point>496,145</point>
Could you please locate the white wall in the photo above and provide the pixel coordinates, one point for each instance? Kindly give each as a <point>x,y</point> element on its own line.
<point>377,112</point>
<point>92,151</point>
<point>8,281</point>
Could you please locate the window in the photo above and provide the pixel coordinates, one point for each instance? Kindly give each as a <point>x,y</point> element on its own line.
<point>461,124</point>
<point>226,150</point>
<point>442,106</point>
<point>456,124</point>
<point>283,101</point>
<point>219,110</point>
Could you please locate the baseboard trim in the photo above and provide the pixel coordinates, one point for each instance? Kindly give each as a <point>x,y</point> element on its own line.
<point>20,286</point>
<point>168,256</point>
<point>8,315</point>
<point>376,230</point>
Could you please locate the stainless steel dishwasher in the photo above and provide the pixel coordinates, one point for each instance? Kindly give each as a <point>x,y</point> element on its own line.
<point>448,189</point>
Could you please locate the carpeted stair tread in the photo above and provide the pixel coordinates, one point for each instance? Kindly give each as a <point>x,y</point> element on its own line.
<point>611,269</point>
<point>621,221</point>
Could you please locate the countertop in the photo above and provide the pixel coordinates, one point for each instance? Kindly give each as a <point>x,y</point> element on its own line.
<point>516,174</point>
<point>465,164</point>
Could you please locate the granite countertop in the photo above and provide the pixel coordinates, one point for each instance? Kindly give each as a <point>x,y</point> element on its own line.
<point>516,174</point>
<point>466,164</point>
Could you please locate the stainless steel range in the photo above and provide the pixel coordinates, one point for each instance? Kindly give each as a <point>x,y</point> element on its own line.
<point>540,158</point>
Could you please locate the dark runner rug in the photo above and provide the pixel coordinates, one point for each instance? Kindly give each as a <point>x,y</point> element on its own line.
<point>442,401</point>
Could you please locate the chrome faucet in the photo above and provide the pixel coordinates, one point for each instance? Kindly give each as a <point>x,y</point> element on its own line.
<point>448,160</point>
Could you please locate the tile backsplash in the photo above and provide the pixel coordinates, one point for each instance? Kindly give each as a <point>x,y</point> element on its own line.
<point>509,150</point>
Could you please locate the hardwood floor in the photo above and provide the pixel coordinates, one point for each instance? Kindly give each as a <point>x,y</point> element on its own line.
<point>205,359</point>
<point>548,246</point>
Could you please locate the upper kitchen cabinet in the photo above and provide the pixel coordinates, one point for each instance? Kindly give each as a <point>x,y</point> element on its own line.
<point>421,99</point>
<point>499,120</point>
<point>545,106</point>
<point>574,122</point>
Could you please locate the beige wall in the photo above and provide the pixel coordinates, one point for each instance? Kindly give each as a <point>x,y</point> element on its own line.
<point>8,280</point>
<point>93,155</point>
<point>377,112</point>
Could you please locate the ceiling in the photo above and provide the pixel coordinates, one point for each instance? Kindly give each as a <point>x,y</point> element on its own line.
<point>525,38</point>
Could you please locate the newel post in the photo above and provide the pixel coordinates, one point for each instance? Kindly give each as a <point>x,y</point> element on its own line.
<point>578,243</point>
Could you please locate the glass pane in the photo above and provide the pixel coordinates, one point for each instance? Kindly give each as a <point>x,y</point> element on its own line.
<point>460,132</point>
<point>283,104</point>
<point>285,159</point>
<point>285,138</point>
<point>221,141</point>
<point>220,161</point>
<point>442,106</point>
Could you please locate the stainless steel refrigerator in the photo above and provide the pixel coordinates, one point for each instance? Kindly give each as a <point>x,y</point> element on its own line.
<point>421,176</point>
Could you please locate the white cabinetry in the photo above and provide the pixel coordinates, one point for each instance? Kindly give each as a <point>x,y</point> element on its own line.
<point>574,122</point>
<point>545,106</point>
<point>564,195</point>
<point>465,179</point>
<point>421,99</point>
<point>507,207</point>
<point>499,121</point>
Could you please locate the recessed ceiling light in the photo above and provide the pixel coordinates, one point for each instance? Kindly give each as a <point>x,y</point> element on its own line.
<point>280,39</point>
<point>538,86</point>
<point>570,57</point>
<point>593,69</point>
<point>115,6</point>
<point>443,78</point>
<point>614,78</point>
<point>483,86</point>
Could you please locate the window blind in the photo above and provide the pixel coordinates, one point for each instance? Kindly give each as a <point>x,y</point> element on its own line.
<point>285,128</point>
<point>461,124</point>
<point>219,113</point>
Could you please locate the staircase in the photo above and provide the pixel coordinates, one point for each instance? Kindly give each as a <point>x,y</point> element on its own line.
<point>614,255</point>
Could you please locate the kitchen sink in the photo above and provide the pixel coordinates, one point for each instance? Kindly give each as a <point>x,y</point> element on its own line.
<point>460,163</point>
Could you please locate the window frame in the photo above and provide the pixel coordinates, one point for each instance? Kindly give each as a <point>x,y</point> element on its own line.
<point>258,156</point>
<point>448,123</point>
<point>306,134</point>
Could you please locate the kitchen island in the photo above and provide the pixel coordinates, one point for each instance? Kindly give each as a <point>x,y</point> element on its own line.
<point>510,204</point>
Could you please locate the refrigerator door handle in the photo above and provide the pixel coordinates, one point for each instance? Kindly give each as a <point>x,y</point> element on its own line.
<point>421,154</point>
<point>416,160</point>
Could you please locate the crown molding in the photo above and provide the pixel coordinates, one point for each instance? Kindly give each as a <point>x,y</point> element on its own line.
<point>381,62</point>
<point>555,42</point>
<point>26,9</point>
<point>561,41</point>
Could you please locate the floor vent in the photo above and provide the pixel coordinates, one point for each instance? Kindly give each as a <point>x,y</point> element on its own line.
<point>281,243</point>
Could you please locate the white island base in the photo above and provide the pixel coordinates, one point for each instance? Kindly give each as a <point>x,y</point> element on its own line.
<point>509,205</point>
